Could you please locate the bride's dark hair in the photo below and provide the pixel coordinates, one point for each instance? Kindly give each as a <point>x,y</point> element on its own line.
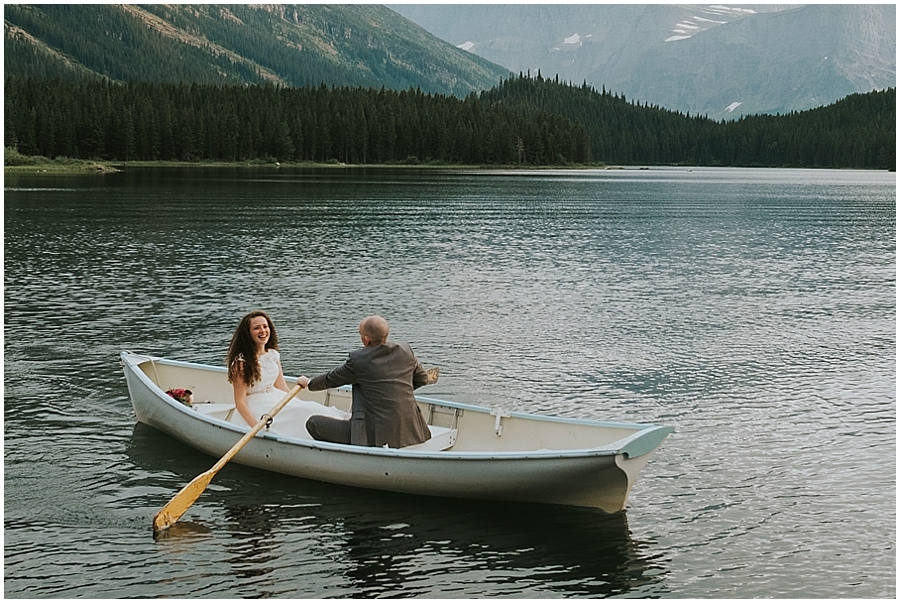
<point>242,362</point>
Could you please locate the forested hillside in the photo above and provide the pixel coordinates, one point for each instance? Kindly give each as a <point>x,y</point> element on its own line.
<point>858,131</point>
<point>141,121</point>
<point>528,121</point>
<point>289,44</point>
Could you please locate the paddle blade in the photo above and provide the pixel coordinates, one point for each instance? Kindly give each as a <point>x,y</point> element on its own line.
<point>181,502</point>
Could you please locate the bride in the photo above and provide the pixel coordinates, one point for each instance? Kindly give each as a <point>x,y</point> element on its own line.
<point>254,371</point>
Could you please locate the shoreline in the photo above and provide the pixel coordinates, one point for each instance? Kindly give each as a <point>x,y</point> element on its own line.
<point>79,166</point>
<point>42,165</point>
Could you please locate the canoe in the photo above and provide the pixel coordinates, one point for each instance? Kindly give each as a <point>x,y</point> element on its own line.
<point>474,452</point>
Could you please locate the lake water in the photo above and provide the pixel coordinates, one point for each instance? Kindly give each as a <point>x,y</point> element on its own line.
<point>752,310</point>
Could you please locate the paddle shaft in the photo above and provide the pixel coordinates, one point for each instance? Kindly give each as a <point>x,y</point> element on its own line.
<point>182,501</point>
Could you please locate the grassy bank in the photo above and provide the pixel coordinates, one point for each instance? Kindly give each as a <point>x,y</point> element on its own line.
<point>13,161</point>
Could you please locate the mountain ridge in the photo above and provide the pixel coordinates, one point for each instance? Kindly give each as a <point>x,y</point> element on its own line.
<point>767,58</point>
<point>291,44</point>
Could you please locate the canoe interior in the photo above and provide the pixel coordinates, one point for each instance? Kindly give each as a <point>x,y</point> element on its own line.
<point>476,426</point>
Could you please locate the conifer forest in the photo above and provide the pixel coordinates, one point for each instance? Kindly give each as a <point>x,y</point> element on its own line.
<point>524,120</point>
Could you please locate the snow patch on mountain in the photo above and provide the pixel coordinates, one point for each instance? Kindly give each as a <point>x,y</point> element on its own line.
<point>710,20</point>
<point>573,39</point>
<point>730,108</point>
<point>468,46</point>
<point>731,9</point>
<point>686,28</point>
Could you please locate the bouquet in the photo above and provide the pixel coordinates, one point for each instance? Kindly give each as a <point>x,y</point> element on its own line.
<point>185,396</point>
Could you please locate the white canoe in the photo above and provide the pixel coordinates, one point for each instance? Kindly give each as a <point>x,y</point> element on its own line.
<point>475,452</point>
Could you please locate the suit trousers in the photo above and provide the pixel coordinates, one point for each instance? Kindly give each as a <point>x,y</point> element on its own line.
<point>339,431</point>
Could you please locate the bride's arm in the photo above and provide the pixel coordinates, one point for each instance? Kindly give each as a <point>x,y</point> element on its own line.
<point>280,383</point>
<point>240,402</point>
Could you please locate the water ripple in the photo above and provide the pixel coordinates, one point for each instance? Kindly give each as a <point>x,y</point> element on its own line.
<point>752,310</point>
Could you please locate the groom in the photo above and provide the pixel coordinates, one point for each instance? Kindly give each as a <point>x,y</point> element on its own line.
<point>383,375</point>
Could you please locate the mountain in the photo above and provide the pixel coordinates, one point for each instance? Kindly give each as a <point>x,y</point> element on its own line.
<point>715,60</point>
<point>294,45</point>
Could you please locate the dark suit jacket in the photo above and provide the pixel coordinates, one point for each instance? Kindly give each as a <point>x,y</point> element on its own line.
<point>383,379</point>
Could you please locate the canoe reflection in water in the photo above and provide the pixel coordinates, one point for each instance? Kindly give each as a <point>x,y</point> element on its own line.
<point>377,544</point>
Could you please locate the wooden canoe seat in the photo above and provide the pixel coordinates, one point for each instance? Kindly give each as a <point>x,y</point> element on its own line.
<point>442,438</point>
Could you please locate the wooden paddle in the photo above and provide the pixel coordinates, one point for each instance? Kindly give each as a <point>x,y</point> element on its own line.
<point>182,501</point>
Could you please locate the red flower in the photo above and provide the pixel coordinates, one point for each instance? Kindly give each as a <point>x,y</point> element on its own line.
<point>185,396</point>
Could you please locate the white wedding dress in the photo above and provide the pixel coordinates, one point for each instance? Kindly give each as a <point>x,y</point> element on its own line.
<point>263,396</point>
